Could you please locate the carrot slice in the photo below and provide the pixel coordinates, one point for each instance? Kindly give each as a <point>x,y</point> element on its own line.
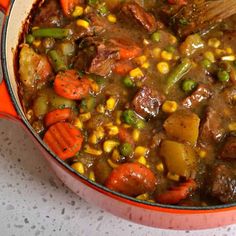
<point>127,48</point>
<point>125,136</point>
<point>176,194</point>
<point>131,179</point>
<point>57,115</point>
<point>67,84</point>
<point>64,139</point>
<point>122,67</point>
<point>68,6</point>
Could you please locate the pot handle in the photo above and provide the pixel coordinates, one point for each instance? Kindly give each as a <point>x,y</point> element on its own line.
<point>4,4</point>
<point>6,106</point>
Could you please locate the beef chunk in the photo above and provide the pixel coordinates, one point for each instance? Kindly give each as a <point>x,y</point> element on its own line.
<point>229,149</point>
<point>147,20</point>
<point>104,60</point>
<point>96,56</point>
<point>222,183</point>
<point>147,102</point>
<point>49,15</point>
<point>211,127</point>
<point>201,93</point>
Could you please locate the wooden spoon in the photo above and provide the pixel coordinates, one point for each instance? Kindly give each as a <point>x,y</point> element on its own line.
<point>202,15</point>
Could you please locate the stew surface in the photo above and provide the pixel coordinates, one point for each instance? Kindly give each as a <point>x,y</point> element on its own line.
<point>117,92</point>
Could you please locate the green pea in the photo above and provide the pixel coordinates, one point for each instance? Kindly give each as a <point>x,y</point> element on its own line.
<point>126,149</point>
<point>29,38</point>
<point>223,76</point>
<point>206,63</point>
<point>128,82</point>
<point>103,10</point>
<point>170,49</point>
<point>156,37</point>
<point>188,85</point>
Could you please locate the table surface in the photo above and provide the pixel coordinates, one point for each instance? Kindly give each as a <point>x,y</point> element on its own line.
<point>34,202</point>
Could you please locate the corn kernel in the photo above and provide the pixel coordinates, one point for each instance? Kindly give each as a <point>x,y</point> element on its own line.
<point>228,58</point>
<point>112,164</point>
<point>160,167</point>
<point>140,151</point>
<point>115,155</point>
<point>141,60</point>
<point>220,52</point>
<point>156,53</point>
<point>202,153</point>
<point>87,10</point>
<point>172,39</point>
<point>83,23</point>
<point>93,139</point>
<point>143,196</point>
<point>136,134</point>
<point>92,151</point>
<point>173,177</point>
<point>113,130</point>
<point>232,126</point>
<point>100,109</point>
<point>109,145</point>
<point>210,56</point>
<point>79,167</point>
<point>37,42</point>
<point>163,67</point>
<point>78,11</point>
<point>169,106</point>
<point>229,50</point>
<point>214,42</point>
<point>85,117</point>
<point>92,176</point>
<point>168,56</point>
<point>136,73</point>
<point>146,65</point>
<point>78,123</point>
<point>112,18</point>
<point>97,135</point>
<point>151,200</point>
<point>118,116</point>
<point>111,103</point>
<point>142,160</point>
<point>35,28</point>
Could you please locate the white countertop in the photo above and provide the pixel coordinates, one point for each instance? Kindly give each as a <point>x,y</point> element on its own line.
<point>34,202</point>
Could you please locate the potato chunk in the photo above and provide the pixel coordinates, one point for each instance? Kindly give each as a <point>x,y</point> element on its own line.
<point>34,68</point>
<point>183,126</point>
<point>180,159</point>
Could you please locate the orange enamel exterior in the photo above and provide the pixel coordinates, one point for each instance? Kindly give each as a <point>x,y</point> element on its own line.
<point>6,106</point>
<point>4,4</point>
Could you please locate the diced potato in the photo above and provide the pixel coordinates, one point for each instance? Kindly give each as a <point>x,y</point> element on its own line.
<point>34,68</point>
<point>58,102</point>
<point>183,126</point>
<point>40,106</point>
<point>180,159</point>
<point>102,170</point>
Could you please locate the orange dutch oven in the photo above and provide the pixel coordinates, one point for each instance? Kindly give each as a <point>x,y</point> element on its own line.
<point>146,213</point>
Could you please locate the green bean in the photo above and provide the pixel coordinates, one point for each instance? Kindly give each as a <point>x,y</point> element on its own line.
<point>58,62</point>
<point>178,72</point>
<point>57,33</point>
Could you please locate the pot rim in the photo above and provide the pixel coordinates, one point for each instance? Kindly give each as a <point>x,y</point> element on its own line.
<point>118,196</point>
